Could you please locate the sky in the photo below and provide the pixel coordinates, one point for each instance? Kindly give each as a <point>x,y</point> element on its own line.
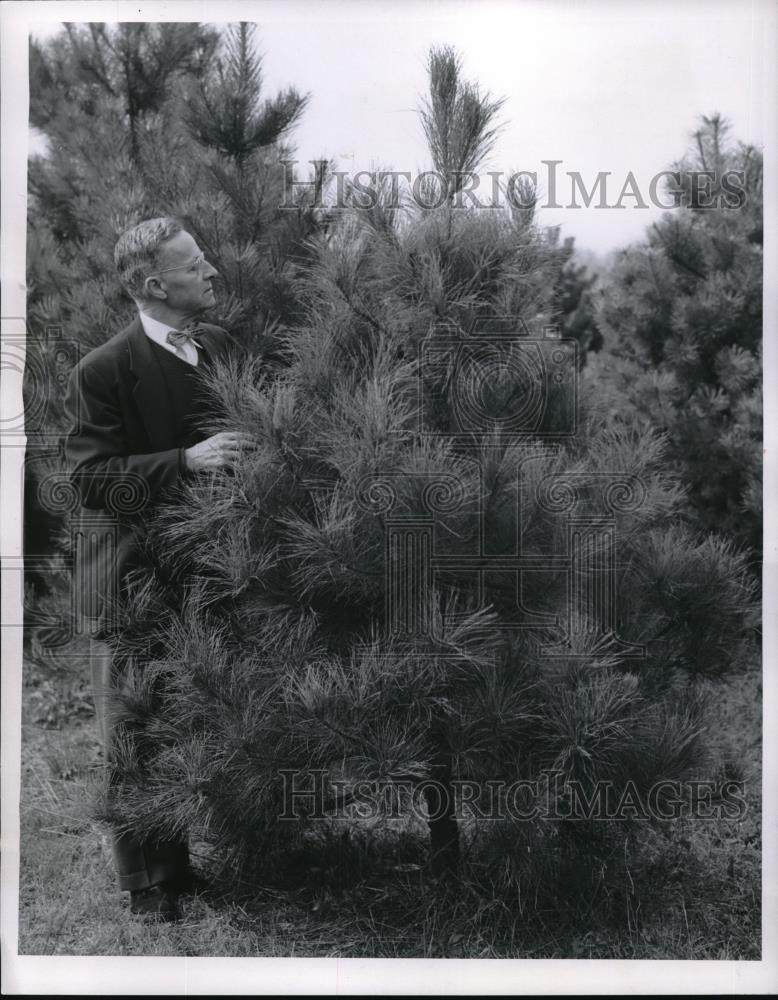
<point>599,86</point>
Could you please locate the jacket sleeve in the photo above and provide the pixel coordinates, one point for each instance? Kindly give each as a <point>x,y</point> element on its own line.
<point>107,478</point>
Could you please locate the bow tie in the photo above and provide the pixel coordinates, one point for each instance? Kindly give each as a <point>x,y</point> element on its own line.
<point>186,336</point>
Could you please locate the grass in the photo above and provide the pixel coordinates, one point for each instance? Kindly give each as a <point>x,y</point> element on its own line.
<point>689,890</point>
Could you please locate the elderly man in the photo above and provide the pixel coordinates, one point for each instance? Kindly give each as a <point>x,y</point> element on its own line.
<point>134,417</point>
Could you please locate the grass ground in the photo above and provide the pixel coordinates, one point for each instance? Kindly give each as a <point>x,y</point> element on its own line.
<point>689,890</point>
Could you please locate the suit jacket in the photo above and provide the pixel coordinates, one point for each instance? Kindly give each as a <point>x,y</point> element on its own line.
<point>122,456</point>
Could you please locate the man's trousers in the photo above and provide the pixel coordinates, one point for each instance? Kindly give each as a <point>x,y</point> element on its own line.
<point>138,865</point>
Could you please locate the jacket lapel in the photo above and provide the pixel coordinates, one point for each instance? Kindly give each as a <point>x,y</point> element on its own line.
<point>151,396</point>
<point>213,344</point>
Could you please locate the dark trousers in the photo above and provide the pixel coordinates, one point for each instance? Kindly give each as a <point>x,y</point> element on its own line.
<point>138,865</point>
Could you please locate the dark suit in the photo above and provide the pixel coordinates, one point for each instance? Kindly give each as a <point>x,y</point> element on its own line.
<point>123,453</point>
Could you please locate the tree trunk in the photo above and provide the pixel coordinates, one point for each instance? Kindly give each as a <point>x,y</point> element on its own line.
<point>444,830</point>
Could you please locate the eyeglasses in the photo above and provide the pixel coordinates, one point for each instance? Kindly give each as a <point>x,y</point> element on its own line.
<point>197,262</point>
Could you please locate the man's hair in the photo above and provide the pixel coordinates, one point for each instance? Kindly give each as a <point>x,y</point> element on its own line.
<point>137,250</point>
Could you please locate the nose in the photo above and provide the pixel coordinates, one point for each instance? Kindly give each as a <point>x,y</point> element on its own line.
<point>210,270</point>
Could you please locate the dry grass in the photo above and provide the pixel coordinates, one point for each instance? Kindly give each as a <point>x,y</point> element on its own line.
<point>690,890</point>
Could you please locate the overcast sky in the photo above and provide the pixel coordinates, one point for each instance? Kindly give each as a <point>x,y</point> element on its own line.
<point>600,86</point>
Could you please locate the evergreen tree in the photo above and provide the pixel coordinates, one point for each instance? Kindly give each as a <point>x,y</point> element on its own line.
<point>392,588</point>
<point>575,295</point>
<point>142,120</point>
<point>681,318</point>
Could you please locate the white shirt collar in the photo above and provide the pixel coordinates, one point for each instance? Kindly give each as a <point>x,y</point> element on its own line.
<point>158,331</point>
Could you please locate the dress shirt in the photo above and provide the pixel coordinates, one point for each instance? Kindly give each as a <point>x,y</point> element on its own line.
<point>157,332</point>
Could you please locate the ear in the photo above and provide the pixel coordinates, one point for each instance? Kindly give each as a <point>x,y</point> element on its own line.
<point>154,288</point>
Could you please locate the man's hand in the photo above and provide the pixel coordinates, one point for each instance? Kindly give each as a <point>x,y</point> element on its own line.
<point>222,449</point>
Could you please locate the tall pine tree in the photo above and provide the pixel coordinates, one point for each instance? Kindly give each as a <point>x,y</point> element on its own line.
<point>438,564</point>
<point>142,120</point>
<point>681,319</point>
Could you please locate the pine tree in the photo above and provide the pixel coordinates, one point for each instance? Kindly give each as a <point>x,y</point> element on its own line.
<point>142,120</point>
<point>681,318</point>
<point>575,295</point>
<point>347,602</point>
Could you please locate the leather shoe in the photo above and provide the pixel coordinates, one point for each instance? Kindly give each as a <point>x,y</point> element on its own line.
<point>159,901</point>
<point>189,883</point>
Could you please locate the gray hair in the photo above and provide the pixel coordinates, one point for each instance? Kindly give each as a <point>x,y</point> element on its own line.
<point>136,253</point>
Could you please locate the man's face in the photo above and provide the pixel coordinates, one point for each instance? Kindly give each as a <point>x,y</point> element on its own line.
<point>185,276</point>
